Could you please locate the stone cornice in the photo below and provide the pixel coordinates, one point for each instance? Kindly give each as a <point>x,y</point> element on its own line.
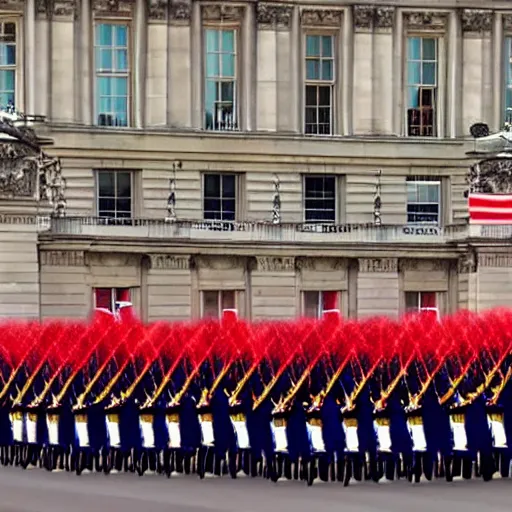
<point>426,20</point>
<point>169,262</point>
<point>477,20</point>
<point>274,15</point>
<point>62,258</point>
<point>275,264</point>
<point>222,12</point>
<point>369,265</point>
<point>321,17</point>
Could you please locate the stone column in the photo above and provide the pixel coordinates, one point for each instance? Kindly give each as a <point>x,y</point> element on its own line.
<point>30,56</point>
<point>398,75</point>
<point>179,71</point>
<point>499,21</point>
<point>274,46</point>
<point>248,69</point>
<point>42,71</point>
<point>273,288</point>
<point>477,86</point>
<point>140,57</point>
<point>197,66</point>
<point>63,79</point>
<point>157,66</point>
<point>377,287</point>
<point>363,69</point>
<point>169,288</point>
<point>86,48</point>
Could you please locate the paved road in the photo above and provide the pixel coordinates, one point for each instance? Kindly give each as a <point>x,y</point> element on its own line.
<point>38,491</point>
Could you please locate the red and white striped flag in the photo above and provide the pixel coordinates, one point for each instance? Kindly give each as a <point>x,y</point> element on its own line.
<point>490,208</point>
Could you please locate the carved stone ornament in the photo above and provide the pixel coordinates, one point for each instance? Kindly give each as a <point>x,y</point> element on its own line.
<point>180,11</point>
<point>491,176</point>
<point>467,264</point>
<point>275,264</point>
<point>363,16</point>
<point>321,17</point>
<point>219,262</point>
<point>157,9</point>
<point>12,5</point>
<point>113,7</point>
<point>169,262</point>
<point>422,265</point>
<point>222,12</point>
<point>477,20</point>
<point>63,258</point>
<point>18,171</point>
<point>384,17</point>
<point>495,260</point>
<point>507,22</point>
<point>426,20</point>
<point>64,8</point>
<point>321,264</point>
<point>22,220</point>
<point>378,265</point>
<point>274,15</point>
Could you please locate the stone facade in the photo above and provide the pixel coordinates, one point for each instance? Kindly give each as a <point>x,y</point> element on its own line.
<point>269,262</point>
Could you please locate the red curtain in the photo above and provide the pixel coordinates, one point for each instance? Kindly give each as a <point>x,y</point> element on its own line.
<point>122,295</point>
<point>103,298</point>
<point>428,300</point>
<point>330,300</point>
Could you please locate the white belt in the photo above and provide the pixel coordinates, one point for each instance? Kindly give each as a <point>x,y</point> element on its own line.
<point>147,430</point>
<point>206,422</point>
<point>419,441</point>
<point>17,426</point>
<point>315,434</point>
<point>173,428</point>
<point>242,435</point>
<point>31,426</point>
<point>351,437</point>
<point>497,426</point>
<point>114,435</point>
<point>460,439</point>
<point>81,430</point>
<point>52,423</point>
<point>382,428</point>
<point>278,427</point>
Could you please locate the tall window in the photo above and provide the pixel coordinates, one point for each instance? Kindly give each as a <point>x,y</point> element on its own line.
<point>422,82</point>
<point>315,303</point>
<point>219,197</point>
<point>214,302</point>
<point>221,80</point>
<point>112,75</point>
<point>423,200</point>
<point>106,298</point>
<point>508,79</point>
<point>319,84</point>
<point>7,65</point>
<point>114,193</point>
<point>420,301</point>
<point>320,199</point>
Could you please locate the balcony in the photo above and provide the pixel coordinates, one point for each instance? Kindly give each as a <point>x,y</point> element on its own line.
<point>262,232</point>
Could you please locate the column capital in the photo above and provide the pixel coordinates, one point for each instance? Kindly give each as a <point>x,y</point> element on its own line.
<point>477,20</point>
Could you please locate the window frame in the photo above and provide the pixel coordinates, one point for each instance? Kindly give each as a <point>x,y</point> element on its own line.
<point>425,180</point>
<point>235,27</point>
<point>220,309</point>
<point>237,185</point>
<point>336,195</point>
<point>333,34</point>
<point>320,302</point>
<point>419,308</point>
<point>19,87</point>
<point>113,296</point>
<point>97,192</point>
<point>441,76</point>
<point>130,76</point>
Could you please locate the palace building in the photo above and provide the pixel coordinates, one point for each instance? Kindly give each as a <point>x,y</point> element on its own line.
<point>280,158</point>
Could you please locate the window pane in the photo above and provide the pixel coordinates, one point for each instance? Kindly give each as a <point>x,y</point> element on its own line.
<point>327,70</point>
<point>228,299</point>
<point>212,209</point>
<point>228,41</point>
<point>312,46</point>
<point>414,97</point>
<point>412,301</point>
<point>103,298</point>
<point>429,73</point>
<point>124,184</point>
<point>121,60</point>
<point>324,96</point>
<point>212,65</point>
<point>423,193</point>
<point>228,65</point>
<point>107,204</point>
<point>429,49</point>
<point>212,40</point>
<point>212,185</point>
<point>228,209</point>
<point>414,48</point>
<point>327,46</point>
<point>427,299</point>
<point>104,34</point>
<point>121,35</point>
<point>210,304</point>
<point>124,206</point>
<point>414,73</point>
<point>104,61</point>
<point>433,193</point>
<point>227,92</point>
<point>312,69</point>
<point>311,95</point>
<point>228,185</point>
<point>411,193</point>
<point>106,184</point>
<point>311,301</point>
